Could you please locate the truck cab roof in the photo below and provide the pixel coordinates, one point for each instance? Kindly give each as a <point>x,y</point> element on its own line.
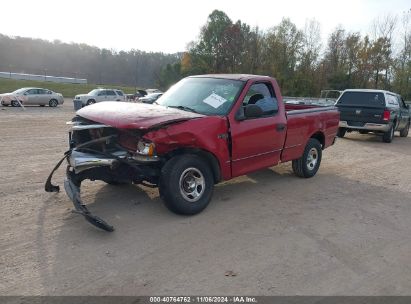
<point>242,77</point>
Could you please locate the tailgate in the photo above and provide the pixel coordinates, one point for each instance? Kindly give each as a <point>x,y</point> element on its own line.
<point>361,106</point>
<point>358,116</point>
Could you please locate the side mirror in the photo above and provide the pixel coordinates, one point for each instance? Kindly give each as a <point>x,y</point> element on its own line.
<point>249,111</point>
<point>252,111</point>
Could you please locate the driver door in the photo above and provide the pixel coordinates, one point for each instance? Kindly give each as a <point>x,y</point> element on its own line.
<point>257,142</point>
<point>31,97</point>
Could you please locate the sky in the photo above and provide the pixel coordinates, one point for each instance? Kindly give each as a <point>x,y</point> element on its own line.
<point>168,26</point>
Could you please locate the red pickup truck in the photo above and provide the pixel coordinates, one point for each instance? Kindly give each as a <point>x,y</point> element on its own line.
<point>203,130</point>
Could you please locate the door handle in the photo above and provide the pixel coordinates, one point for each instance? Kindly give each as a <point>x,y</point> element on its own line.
<point>280,127</point>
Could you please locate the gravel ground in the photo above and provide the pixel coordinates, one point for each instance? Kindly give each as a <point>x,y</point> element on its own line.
<point>344,232</point>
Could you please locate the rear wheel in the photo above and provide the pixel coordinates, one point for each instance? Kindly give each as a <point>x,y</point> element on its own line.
<point>309,163</point>
<point>90,101</point>
<point>53,103</point>
<point>341,132</point>
<point>404,132</point>
<point>389,135</point>
<point>186,184</point>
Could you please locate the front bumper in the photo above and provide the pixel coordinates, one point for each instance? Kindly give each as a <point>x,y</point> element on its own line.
<point>366,126</point>
<point>109,167</point>
<point>81,161</point>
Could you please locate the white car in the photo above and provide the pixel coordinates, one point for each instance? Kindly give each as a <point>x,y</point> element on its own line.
<point>32,96</point>
<point>98,95</point>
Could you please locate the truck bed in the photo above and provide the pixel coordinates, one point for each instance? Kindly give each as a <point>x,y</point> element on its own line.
<point>303,121</point>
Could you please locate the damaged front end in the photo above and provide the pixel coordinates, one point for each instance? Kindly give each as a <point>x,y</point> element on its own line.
<point>100,152</point>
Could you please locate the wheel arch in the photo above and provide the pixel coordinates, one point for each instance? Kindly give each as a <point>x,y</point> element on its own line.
<point>209,157</point>
<point>320,137</point>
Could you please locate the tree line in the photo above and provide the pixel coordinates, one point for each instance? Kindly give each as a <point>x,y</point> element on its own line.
<point>297,58</point>
<point>98,66</point>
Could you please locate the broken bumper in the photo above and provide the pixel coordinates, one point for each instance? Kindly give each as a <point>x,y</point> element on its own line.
<point>107,167</point>
<point>73,193</point>
<point>81,161</point>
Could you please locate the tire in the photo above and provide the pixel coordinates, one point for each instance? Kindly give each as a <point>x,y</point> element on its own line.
<point>309,163</point>
<point>186,184</point>
<point>389,135</point>
<point>341,132</point>
<point>53,103</point>
<point>404,132</point>
<point>90,101</point>
<point>15,103</point>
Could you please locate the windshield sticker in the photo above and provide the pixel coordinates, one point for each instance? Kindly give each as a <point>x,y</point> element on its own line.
<point>215,100</point>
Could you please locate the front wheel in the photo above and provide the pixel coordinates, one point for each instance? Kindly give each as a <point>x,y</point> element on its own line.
<point>309,163</point>
<point>389,135</point>
<point>186,184</point>
<point>404,132</point>
<point>15,103</point>
<point>90,102</point>
<point>53,103</point>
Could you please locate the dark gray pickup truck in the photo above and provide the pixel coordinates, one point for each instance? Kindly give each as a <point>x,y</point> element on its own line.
<point>377,111</point>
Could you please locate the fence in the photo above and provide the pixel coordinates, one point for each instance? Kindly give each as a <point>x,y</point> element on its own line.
<point>34,77</point>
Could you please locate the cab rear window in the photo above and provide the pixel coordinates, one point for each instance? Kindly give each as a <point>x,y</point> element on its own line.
<point>367,99</point>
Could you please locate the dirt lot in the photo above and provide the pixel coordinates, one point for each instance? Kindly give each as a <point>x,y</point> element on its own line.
<point>346,231</point>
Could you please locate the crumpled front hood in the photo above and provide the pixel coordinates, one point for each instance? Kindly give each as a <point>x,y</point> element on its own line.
<point>125,115</point>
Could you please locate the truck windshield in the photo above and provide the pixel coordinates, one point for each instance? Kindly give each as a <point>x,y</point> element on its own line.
<point>208,96</point>
<point>365,99</point>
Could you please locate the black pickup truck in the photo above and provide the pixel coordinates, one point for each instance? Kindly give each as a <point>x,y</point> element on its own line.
<point>377,111</point>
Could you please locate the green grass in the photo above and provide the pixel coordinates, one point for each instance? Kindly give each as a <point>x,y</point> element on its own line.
<point>68,90</point>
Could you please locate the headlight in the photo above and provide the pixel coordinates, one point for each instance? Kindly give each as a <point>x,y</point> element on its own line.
<point>145,148</point>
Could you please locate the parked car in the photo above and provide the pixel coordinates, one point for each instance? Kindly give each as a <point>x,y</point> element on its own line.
<point>150,91</point>
<point>150,98</point>
<point>377,111</point>
<point>206,129</point>
<point>98,95</point>
<point>138,94</point>
<point>32,96</point>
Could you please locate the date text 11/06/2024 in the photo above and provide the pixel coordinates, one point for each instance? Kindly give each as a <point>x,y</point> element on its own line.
<point>203,299</point>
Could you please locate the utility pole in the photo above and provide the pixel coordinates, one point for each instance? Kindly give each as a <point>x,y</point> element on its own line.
<point>136,76</point>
